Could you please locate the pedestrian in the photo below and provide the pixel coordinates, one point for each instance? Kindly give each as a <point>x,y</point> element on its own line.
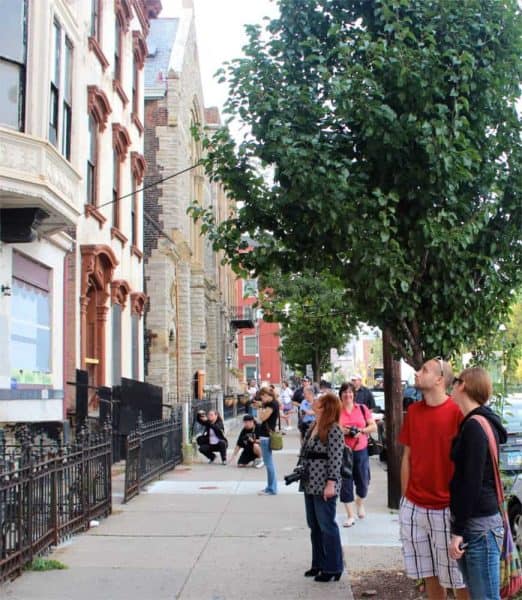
<point>287,408</point>
<point>357,424</point>
<point>213,438</point>
<point>306,411</point>
<point>362,394</point>
<point>248,444</point>
<point>252,394</point>
<point>268,415</point>
<point>426,470</point>
<point>321,459</point>
<point>475,514</point>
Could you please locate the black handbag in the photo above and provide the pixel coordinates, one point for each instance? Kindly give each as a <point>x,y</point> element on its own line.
<point>374,446</point>
<point>347,464</point>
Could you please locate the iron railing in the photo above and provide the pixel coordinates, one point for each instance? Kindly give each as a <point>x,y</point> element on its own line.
<point>152,449</point>
<point>47,493</point>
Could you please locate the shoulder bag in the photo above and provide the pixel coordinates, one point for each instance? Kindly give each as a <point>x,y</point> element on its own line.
<point>374,446</point>
<point>510,565</point>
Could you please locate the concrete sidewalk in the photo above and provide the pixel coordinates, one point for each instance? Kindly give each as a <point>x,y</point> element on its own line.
<point>202,532</point>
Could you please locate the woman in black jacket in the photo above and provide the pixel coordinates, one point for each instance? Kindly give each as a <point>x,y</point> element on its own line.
<point>476,522</point>
<point>213,438</point>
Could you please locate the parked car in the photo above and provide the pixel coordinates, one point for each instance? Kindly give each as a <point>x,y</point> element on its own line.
<point>510,459</point>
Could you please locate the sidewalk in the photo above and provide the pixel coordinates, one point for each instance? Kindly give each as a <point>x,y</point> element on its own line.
<point>202,532</point>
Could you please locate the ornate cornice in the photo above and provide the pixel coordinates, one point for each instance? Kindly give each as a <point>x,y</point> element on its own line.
<point>138,301</point>
<point>139,46</point>
<point>98,105</point>
<point>119,291</point>
<point>98,263</point>
<point>141,12</point>
<point>138,166</point>
<point>121,139</point>
<point>123,11</point>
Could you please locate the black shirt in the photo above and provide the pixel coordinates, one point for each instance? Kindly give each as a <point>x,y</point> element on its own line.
<point>247,436</point>
<point>270,424</point>
<point>472,488</point>
<point>364,396</point>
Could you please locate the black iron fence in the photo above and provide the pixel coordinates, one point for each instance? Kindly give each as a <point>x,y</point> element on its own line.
<point>48,492</point>
<point>152,449</point>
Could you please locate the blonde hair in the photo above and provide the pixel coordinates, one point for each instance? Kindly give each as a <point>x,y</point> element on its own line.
<point>477,384</point>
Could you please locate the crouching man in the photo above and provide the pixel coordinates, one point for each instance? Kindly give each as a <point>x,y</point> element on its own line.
<point>213,438</point>
<point>248,444</point>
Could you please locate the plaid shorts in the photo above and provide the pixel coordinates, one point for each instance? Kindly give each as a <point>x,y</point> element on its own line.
<point>425,537</point>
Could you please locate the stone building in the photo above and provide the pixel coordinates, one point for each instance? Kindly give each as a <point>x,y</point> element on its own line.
<point>71,156</point>
<point>189,291</point>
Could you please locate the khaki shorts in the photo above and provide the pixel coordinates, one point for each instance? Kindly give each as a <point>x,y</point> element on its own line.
<point>425,537</point>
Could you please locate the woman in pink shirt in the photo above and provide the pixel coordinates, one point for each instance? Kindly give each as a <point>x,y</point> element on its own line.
<point>357,424</point>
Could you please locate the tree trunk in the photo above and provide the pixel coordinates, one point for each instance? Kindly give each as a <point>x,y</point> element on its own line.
<point>316,365</point>
<point>393,416</point>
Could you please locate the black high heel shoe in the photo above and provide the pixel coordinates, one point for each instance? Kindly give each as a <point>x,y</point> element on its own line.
<point>323,577</point>
<point>312,572</point>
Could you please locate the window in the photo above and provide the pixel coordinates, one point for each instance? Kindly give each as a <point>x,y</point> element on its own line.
<point>30,344</point>
<point>61,91</point>
<point>13,51</point>
<point>250,345</point>
<point>118,40</point>
<point>96,20</point>
<point>116,344</point>
<point>249,288</point>
<point>134,214</point>
<point>135,85</point>
<point>250,372</point>
<point>116,191</point>
<point>91,161</point>
<point>135,341</point>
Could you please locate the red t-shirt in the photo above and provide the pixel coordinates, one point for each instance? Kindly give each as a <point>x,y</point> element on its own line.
<point>429,431</point>
<point>357,418</point>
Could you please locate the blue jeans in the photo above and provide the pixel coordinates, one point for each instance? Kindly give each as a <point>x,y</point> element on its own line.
<point>360,476</point>
<point>327,552</point>
<point>480,564</point>
<point>271,483</point>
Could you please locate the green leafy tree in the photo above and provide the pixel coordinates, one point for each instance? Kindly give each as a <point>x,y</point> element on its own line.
<point>313,313</point>
<point>393,132</point>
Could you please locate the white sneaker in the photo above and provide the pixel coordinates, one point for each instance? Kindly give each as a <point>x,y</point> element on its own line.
<point>260,464</point>
<point>289,428</point>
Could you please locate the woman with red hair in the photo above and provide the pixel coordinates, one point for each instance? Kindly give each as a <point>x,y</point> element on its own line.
<point>321,459</point>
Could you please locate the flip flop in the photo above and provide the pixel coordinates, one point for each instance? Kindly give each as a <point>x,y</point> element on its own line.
<point>349,522</point>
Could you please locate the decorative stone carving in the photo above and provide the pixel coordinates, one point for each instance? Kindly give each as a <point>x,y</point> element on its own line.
<point>98,105</point>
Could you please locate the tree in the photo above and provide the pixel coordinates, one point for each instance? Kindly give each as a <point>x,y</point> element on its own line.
<point>396,148</point>
<point>313,313</point>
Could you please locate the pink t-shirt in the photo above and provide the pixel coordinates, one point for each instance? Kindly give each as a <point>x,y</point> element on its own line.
<point>356,418</point>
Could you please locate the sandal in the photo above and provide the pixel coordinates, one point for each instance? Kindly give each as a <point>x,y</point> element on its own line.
<point>349,522</point>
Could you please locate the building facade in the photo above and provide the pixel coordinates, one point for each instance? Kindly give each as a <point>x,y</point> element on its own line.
<point>190,292</point>
<point>71,156</point>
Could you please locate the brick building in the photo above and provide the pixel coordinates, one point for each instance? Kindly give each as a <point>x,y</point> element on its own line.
<point>187,322</point>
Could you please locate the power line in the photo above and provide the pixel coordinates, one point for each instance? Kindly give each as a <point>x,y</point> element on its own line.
<point>146,187</point>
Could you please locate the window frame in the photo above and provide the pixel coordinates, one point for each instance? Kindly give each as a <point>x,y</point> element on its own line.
<point>92,167</point>
<point>36,276</point>
<point>249,338</point>
<point>21,65</point>
<point>60,99</point>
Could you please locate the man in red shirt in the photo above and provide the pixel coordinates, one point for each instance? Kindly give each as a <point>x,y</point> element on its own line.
<point>426,470</point>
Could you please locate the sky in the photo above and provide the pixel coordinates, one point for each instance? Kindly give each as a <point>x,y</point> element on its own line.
<point>219,27</point>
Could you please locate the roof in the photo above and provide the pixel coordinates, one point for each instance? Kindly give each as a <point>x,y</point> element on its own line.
<point>160,43</point>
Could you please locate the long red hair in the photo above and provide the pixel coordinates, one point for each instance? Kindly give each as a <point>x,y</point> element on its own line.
<point>331,411</point>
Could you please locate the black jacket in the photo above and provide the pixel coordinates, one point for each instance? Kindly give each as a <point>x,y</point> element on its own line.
<point>364,396</point>
<point>472,488</point>
<point>218,427</point>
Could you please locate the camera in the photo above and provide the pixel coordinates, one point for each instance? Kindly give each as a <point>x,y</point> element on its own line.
<point>298,474</point>
<point>353,431</point>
